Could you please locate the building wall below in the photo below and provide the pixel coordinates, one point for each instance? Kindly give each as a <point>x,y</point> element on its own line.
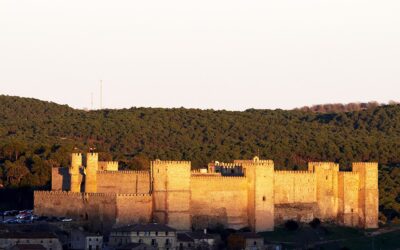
<point>303,212</point>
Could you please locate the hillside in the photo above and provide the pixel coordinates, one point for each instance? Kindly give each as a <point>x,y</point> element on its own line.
<point>289,137</point>
<point>36,135</point>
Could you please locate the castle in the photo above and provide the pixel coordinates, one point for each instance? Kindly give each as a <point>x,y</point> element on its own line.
<point>245,193</point>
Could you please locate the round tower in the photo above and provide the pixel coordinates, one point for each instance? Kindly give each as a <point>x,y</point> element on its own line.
<point>76,163</point>
<point>92,163</point>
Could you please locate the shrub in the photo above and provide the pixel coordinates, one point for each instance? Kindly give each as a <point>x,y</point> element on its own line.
<point>315,223</point>
<point>291,225</point>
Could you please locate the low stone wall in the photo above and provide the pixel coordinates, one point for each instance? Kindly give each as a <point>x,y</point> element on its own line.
<point>302,212</point>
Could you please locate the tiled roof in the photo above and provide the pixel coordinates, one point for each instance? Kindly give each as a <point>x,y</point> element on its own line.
<point>184,237</point>
<point>28,235</point>
<point>152,227</point>
<point>191,236</point>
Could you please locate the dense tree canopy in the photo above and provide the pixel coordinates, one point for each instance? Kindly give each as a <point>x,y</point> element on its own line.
<point>37,135</point>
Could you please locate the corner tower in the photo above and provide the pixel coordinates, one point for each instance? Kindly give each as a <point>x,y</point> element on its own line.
<point>368,193</point>
<point>171,193</point>
<point>92,160</point>
<point>76,163</point>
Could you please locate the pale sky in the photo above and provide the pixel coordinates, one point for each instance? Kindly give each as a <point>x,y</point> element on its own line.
<point>216,54</point>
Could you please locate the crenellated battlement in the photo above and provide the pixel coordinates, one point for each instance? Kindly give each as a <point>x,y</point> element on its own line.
<point>348,173</point>
<point>267,164</point>
<point>316,166</point>
<point>67,193</point>
<point>322,163</point>
<point>125,172</point>
<point>218,177</point>
<point>133,195</point>
<point>227,165</point>
<point>57,193</point>
<point>196,174</point>
<point>108,165</point>
<point>300,172</point>
<point>170,163</point>
<point>99,194</point>
<point>364,164</point>
<point>255,159</point>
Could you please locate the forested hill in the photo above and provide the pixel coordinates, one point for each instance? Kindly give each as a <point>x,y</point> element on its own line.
<point>36,136</point>
<point>290,138</point>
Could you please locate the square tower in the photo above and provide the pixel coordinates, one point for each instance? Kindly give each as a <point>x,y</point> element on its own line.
<point>260,185</point>
<point>76,163</point>
<point>92,162</point>
<point>171,193</point>
<point>368,193</point>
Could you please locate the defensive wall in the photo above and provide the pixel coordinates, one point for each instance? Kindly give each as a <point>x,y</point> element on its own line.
<point>236,195</point>
<point>171,192</point>
<point>108,166</point>
<point>103,210</point>
<point>294,187</point>
<point>123,182</point>
<point>218,199</point>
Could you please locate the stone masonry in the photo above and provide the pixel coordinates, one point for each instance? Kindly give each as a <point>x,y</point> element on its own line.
<point>245,193</point>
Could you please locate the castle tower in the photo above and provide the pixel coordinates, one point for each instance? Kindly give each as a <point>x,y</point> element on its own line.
<point>171,193</point>
<point>327,188</point>
<point>76,163</point>
<point>92,160</point>
<point>368,193</point>
<point>260,186</point>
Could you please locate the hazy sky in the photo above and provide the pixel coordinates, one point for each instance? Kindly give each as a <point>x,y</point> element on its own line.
<point>205,54</point>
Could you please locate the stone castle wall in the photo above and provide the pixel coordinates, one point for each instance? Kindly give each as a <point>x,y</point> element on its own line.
<point>123,182</point>
<point>134,208</point>
<point>294,187</point>
<point>104,210</point>
<point>368,199</point>
<point>173,194</point>
<point>99,209</point>
<point>108,166</point>
<point>348,210</point>
<point>60,179</point>
<point>218,199</point>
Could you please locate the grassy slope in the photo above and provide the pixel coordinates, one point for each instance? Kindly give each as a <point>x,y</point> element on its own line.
<point>333,237</point>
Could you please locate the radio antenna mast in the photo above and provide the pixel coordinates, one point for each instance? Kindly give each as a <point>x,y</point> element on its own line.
<point>101,94</point>
<point>91,101</point>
